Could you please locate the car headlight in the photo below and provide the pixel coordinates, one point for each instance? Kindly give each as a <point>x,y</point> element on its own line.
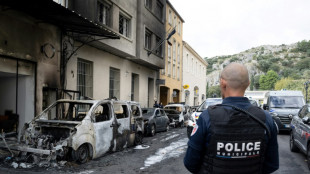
<point>275,115</point>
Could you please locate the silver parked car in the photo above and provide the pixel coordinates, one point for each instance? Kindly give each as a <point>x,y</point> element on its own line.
<point>155,120</point>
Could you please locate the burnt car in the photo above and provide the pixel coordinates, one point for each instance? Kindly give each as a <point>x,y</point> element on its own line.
<point>155,120</point>
<point>81,130</point>
<point>300,132</point>
<point>177,114</point>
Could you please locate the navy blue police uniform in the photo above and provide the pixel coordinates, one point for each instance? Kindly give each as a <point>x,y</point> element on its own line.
<point>210,148</point>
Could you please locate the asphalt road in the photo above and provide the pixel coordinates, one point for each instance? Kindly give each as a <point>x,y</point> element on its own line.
<point>162,153</point>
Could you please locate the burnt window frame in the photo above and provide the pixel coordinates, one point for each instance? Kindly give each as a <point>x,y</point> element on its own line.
<point>108,13</point>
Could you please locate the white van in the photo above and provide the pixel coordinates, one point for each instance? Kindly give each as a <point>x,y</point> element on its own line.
<point>283,105</point>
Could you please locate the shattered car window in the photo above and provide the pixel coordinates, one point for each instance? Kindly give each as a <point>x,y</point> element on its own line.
<point>102,113</point>
<point>179,109</point>
<point>67,111</point>
<point>135,110</point>
<point>120,111</point>
<point>148,111</point>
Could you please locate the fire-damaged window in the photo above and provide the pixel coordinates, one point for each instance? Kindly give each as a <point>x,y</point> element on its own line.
<point>102,113</point>
<point>67,111</point>
<point>124,25</point>
<point>120,111</point>
<point>103,12</point>
<point>135,110</point>
<point>85,77</point>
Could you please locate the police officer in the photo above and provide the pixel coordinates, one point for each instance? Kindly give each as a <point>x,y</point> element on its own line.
<point>233,137</point>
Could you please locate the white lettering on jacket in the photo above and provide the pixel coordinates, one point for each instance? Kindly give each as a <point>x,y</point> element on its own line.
<point>238,148</point>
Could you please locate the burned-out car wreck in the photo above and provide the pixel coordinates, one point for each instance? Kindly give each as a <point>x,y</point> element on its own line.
<point>79,130</point>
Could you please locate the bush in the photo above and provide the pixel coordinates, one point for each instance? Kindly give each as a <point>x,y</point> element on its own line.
<point>274,67</point>
<point>267,82</point>
<point>264,65</point>
<point>303,64</point>
<point>303,46</point>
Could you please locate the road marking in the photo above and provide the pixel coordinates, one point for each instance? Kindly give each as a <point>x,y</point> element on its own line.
<point>170,137</point>
<point>174,150</point>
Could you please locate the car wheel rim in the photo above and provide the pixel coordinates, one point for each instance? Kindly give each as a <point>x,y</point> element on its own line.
<point>153,130</point>
<point>83,154</point>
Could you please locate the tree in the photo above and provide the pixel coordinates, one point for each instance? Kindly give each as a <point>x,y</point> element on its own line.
<point>290,84</point>
<point>214,90</point>
<point>303,46</point>
<point>303,64</point>
<point>267,82</point>
<point>256,81</point>
<point>264,65</point>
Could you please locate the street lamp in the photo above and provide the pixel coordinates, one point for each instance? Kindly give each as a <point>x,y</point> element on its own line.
<point>306,84</point>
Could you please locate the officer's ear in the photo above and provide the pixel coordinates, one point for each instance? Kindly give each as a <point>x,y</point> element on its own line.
<point>223,83</point>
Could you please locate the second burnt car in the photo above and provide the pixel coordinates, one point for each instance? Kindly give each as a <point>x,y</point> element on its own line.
<point>155,120</point>
<point>300,132</point>
<point>177,114</point>
<point>80,130</point>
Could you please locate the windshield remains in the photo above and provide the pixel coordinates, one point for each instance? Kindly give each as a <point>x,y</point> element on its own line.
<point>176,108</point>
<point>147,112</point>
<point>286,102</point>
<point>209,102</point>
<point>67,111</point>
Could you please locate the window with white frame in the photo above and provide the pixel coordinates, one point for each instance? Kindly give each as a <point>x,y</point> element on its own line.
<point>179,27</point>
<point>178,73</point>
<point>173,21</point>
<point>124,25</point>
<point>170,17</point>
<point>148,39</point>
<point>169,68</point>
<point>174,51</point>
<point>173,70</point>
<point>103,13</point>
<point>159,10</point>
<point>192,65</point>
<point>114,87</point>
<point>148,4</point>
<point>187,63</point>
<point>169,52</point>
<point>163,71</point>
<point>85,77</point>
<point>179,50</point>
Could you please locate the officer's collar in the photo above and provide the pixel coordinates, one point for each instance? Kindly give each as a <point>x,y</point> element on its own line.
<point>235,99</point>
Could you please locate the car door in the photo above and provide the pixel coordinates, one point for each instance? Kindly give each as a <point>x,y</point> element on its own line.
<point>103,130</point>
<point>122,132</point>
<point>158,119</point>
<point>297,123</point>
<point>304,128</point>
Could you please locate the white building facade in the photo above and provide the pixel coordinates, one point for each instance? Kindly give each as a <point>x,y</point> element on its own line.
<point>194,76</point>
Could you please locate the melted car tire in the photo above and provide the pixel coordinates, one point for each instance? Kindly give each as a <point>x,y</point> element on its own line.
<point>138,138</point>
<point>167,127</point>
<point>293,146</point>
<point>153,130</point>
<point>81,155</point>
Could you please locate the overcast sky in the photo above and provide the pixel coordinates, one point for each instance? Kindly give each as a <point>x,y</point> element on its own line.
<point>225,27</point>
